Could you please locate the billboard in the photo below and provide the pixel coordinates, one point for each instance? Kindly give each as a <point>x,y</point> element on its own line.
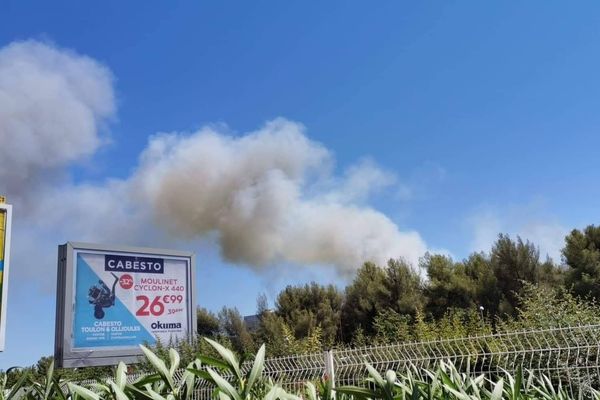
<point>5,230</point>
<point>111,299</point>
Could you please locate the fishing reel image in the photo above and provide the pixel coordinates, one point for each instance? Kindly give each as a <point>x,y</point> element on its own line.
<point>101,296</point>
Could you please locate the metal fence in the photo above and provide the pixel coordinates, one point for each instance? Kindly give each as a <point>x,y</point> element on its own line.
<point>569,355</point>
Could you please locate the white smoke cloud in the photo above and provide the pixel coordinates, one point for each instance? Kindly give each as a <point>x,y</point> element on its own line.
<point>529,221</point>
<point>256,191</point>
<point>269,196</point>
<point>52,104</point>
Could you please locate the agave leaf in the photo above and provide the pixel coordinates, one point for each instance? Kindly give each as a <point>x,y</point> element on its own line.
<point>199,373</point>
<point>121,376</point>
<point>153,394</point>
<point>215,363</point>
<point>275,393</point>
<point>311,391</point>
<point>223,396</point>
<point>83,392</point>
<point>516,392</point>
<point>49,376</point>
<point>227,355</point>
<point>100,388</point>
<point>458,393</point>
<point>223,384</point>
<point>189,380</point>
<point>497,392</point>
<point>159,365</point>
<point>137,393</point>
<point>148,379</point>
<point>375,375</point>
<point>357,392</point>
<point>119,394</point>
<point>175,360</point>
<point>447,381</point>
<point>257,368</point>
<point>17,386</point>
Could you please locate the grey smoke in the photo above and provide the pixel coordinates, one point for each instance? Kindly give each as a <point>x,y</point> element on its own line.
<point>53,104</point>
<point>269,196</point>
<point>257,191</point>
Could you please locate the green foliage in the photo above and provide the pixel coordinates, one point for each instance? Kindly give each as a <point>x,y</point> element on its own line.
<point>233,382</point>
<point>365,296</point>
<point>391,327</point>
<point>235,329</point>
<point>397,287</point>
<point>543,307</point>
<point>582,255</point>
<point>504,289</point>
<point>207,323</point>
<point>514,263</point>
<point>448,383</point>
<point>306,308</point>
<point>468,284</point>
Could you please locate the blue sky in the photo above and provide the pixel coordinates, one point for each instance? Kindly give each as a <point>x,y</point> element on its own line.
<point>485,113</point>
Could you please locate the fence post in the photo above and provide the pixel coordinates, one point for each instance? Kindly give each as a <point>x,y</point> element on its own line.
<point>330,367</point>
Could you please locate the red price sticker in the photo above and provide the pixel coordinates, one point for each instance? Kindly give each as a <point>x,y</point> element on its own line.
<point>126,281</point>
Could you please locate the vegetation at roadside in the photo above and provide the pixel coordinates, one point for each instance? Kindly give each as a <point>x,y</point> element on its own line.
<point>510,287</point>
<point>225,379</point>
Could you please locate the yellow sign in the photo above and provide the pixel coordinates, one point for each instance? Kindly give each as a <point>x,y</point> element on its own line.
<point>5,222</point>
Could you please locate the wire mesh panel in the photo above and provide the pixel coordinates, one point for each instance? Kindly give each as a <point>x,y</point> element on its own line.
<point>567,355</point>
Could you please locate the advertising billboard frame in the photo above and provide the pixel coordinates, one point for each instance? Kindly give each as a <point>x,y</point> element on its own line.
<point>7,208</point>
<point>69,356</point>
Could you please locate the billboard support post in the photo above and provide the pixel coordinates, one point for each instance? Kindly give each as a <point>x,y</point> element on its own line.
<point>5,236</point>
<point>112,299</point>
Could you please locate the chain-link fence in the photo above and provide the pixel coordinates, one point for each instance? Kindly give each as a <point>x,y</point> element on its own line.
<point>569,355</point>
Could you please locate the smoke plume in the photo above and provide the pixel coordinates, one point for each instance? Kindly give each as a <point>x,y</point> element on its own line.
<point>263,194</point>
<point>269,196</point>
<point>52,104</point>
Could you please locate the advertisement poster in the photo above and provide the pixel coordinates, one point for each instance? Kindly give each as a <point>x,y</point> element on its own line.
<point>125,300</point>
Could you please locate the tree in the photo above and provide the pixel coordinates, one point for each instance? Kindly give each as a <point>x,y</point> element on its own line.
<point>305,308</point>
<point>514,263</point>
<point>582,255</point>
<point>404,288</point>
<point>365,297</point>
<point>207,322</point>
<point>449,285</point>
<point>232,324</point>
<point>460,285</point>
<point>479,269</point>
<point>274,332</point>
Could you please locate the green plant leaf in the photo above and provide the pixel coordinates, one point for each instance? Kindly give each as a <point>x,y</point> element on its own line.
<point>119,394</point>
<point>223,396</point>
<point>49,376</point>
<point>275,393</point>
<point>175,360</point>
<point>17,386</point>
<point>375,375</point>
<point>359,392</point>
<point>224,385</point>
<point>148,379</point>
<point>497,392</point>
<point>227,355</point>
<point>311,391</point>
<point>83,392</point>
<point>201,374</point>
<point>257,368</point>
<point>159,365</point>
<point>121,376</point>
<point>215,363</point>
